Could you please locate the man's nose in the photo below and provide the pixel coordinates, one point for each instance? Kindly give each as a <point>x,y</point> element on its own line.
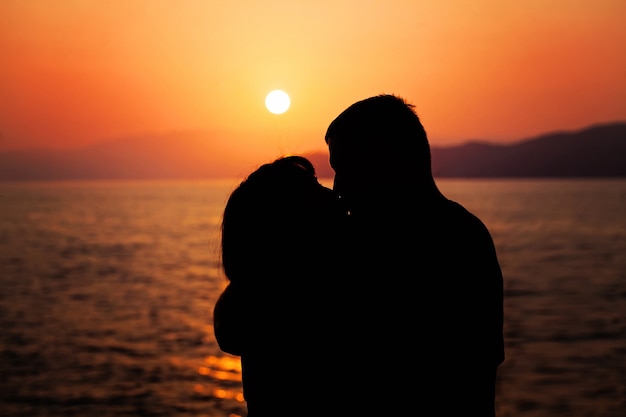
<point>339,184</point>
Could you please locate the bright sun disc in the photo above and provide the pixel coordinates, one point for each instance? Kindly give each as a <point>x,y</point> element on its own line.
<point>277,101</point>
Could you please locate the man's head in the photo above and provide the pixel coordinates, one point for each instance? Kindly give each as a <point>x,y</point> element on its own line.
<point>378,142</point>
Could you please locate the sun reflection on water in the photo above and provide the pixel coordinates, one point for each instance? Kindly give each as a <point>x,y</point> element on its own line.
<point>224,370</point>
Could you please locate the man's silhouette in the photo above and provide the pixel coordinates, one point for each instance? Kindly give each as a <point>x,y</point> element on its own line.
<point>424,298</point>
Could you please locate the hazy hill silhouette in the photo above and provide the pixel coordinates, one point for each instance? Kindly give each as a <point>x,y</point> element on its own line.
<point>597,151</point>
<point>181,155</point>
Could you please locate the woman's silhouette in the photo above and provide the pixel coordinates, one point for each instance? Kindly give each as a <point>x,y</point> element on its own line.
<point>280,235</point>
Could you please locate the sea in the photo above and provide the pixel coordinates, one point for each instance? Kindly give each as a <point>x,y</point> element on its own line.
<point>107,290</point>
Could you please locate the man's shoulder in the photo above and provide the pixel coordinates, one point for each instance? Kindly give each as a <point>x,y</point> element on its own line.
<point>458,209</point>
<point>458,215</point>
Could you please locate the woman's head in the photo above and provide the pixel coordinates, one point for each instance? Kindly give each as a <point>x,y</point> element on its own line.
<point>275,219</point>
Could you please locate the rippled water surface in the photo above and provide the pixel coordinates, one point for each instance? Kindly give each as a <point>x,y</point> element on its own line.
<point>107,290</point>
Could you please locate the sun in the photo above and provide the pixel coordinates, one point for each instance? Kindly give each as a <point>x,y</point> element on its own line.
<point>277,101</point>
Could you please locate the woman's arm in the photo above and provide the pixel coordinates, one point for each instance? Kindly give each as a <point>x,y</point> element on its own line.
<point>229,321</point>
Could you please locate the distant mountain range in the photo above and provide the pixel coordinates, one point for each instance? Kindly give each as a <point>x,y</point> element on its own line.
<point>178,155</point>
<point>596,151</point>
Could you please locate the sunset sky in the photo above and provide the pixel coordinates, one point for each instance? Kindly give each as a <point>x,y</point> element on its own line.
<point>75,72</point>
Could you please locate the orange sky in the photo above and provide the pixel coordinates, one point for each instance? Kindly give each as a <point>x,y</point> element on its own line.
<point>73,72</point>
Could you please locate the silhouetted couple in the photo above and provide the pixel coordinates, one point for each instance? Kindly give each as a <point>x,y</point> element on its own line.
<point>379,297</point>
